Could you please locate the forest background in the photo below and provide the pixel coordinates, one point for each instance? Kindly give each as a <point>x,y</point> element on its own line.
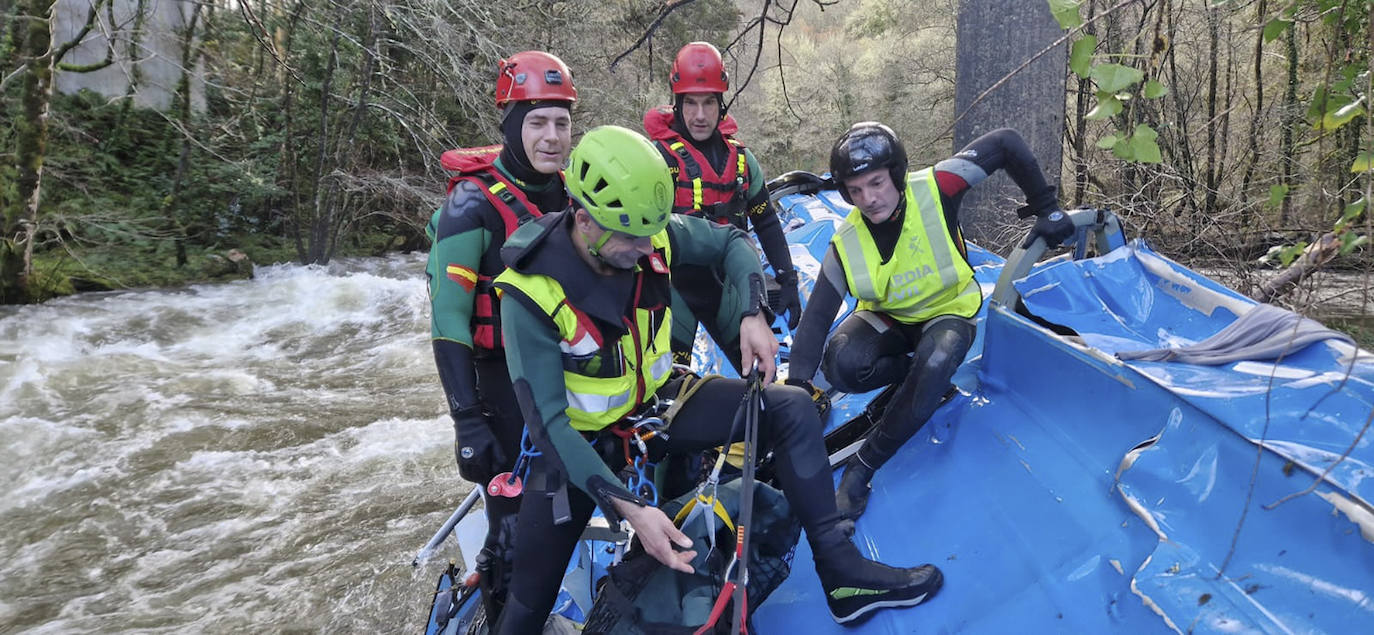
<point>1232,134</point>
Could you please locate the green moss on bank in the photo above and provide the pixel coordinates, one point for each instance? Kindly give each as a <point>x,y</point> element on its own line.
<point>75,269</point>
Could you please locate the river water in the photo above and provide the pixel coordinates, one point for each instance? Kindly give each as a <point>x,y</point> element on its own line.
<point>264,455</point>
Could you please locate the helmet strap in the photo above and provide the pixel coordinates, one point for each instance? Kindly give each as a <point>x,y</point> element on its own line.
<point>594,248</point>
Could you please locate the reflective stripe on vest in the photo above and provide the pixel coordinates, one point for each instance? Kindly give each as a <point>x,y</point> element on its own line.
<point>926,276</point>
<point>603,381</point>
<point>699,188</point>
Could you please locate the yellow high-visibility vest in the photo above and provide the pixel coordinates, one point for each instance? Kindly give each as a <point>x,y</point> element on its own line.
<point>926,276</point>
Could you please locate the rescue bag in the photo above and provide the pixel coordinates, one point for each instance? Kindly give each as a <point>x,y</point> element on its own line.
<point>640,596</point>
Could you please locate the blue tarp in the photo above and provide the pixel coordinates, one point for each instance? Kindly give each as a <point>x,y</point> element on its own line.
<point>1064,490</point>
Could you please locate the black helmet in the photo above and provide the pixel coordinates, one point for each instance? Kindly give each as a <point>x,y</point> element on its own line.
<point>867,146</point>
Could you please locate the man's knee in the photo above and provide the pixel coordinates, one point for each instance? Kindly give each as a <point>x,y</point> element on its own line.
<point>942,351</point>
<point>789,409</point>
<point>845,363</point>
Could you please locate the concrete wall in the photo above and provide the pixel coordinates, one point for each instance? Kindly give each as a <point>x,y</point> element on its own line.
<point>157,58</point>
<point>994,38</point>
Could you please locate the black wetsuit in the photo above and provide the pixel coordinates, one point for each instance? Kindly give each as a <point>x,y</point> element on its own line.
<point>870,350</point>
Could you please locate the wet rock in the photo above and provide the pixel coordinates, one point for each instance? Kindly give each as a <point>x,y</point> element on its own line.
<point>229,264</point>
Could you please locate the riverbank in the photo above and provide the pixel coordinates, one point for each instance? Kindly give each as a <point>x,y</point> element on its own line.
<point>76,268</point>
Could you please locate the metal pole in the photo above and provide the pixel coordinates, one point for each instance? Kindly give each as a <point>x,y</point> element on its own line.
<point>449,524</point>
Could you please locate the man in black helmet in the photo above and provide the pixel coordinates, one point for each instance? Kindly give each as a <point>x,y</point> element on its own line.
<point>901,255</point>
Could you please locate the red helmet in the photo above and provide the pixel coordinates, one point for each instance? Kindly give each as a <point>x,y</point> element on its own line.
<point>699,69</point>
<point>531,76</point>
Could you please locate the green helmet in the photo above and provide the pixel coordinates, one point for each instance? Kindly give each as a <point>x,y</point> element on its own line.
<point>622,181</point>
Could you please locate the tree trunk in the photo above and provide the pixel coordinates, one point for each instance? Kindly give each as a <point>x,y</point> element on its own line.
<point>16,241</point>
<point>1287,158</point>
<point>190,53</point>
<point>994,38</point>
<point>1210,171</point>
<point>1261,16</point>
<point>1082,104</point>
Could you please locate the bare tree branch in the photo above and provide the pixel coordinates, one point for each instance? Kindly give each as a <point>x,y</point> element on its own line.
<point>667,10</point>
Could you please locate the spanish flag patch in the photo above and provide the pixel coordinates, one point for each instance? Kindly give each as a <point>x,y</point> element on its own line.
<point>465,277</point>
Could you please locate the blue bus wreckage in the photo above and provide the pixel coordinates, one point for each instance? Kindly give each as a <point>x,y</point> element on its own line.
<point>1132,447</point>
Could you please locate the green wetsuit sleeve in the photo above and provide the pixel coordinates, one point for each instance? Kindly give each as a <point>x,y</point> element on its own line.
<point>536,370</point>
<point>730,254</point>
<point>763,217</point>
<point>757,179</point>
<point>453,263</point>
<point>455,256</point>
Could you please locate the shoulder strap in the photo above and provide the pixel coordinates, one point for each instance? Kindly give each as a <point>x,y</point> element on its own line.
<point>511,203</point>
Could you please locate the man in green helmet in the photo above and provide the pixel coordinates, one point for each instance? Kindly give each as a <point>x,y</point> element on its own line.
<point>587,317</point>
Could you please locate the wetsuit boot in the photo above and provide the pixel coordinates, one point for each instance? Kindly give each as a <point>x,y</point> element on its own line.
<point>851,497</point>
<point>855,587</point>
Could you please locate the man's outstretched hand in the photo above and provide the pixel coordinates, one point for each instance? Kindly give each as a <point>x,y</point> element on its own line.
<point>658,534</point>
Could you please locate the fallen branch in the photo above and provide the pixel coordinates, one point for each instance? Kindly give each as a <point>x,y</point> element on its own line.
<point>1313,258</point>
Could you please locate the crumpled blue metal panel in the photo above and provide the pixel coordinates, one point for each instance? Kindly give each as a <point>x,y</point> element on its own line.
<point>1073,492</point>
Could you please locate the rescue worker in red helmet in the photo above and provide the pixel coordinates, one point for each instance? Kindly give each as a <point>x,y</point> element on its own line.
<point>717,178</point>
<point>901,254</point>
<point>496,190</point>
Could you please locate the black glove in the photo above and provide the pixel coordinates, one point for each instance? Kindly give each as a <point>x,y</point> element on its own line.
<point>1053,225</point>
<point>475,446</point>
<point>818,396</point>
<point>790,297</point>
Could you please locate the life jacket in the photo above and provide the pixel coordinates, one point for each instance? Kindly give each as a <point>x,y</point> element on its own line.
<point>478,165</point>
<point>926,276</point>
<point>700,190</point>
<point>607,379</point>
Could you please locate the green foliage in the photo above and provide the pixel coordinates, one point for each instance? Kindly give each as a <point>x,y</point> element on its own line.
<point>1350,241</point>
<point>1277,193</point>
<point>1275,27</point>
<point>1352,213</point>
<point>1114,78</point>
<point>1066,13</point>
<point>1364,162</point>
<point>1116,86</point>
<point>1108,106</point>
<point>1339,110</point>
<point>1140,146</point>
<point>1289,253</point>
<point>1081,54</point>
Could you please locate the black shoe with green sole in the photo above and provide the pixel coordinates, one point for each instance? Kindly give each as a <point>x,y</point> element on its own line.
<point>856,587</point>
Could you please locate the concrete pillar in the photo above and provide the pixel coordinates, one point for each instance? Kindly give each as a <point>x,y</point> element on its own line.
<point>994,38</point>
<point>158,56</point>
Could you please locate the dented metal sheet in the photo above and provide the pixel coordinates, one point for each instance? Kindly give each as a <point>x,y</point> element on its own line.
<point>1072,492</point>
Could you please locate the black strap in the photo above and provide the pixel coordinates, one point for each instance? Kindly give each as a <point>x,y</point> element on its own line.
<point>508,198</point>
<point>753,404</point>
<point>689,164</point>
